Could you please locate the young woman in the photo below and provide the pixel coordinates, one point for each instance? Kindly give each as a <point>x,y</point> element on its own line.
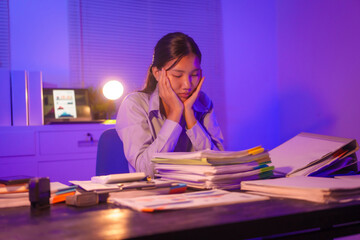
<point>170,114</point>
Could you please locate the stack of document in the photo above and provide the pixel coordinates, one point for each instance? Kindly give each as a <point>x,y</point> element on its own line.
<point>314,189</point>
<point>209,169</point>
<point>309,154</point>
<point>17,199</point>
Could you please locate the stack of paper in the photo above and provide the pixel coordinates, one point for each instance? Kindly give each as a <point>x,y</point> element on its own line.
<point>309,154</point>
<point>210,169</point>
<point>315,189</point>
<point>17,199</point>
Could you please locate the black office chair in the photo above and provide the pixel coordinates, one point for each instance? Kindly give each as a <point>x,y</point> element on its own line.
<point>110,154</point>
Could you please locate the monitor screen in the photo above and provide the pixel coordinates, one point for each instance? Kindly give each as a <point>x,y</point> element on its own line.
<point>66,105</point>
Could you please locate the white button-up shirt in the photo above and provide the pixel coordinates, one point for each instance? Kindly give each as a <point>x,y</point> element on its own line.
<point>144,130</point>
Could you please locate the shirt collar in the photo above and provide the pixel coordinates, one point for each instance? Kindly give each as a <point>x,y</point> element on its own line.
<point>199,106</point>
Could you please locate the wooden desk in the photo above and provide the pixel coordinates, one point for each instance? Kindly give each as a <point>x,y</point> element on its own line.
<point>249,220</point>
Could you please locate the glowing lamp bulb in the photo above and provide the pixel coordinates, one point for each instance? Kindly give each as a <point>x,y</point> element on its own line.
<point>113,90</point>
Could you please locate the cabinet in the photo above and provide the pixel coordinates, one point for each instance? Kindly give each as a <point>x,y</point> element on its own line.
<point>61,152</point>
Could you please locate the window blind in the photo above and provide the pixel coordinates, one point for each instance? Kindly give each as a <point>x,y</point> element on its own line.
<point>4,35</point>
<point>113,39</point>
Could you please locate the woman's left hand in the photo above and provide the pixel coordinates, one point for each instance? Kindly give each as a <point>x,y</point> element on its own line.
<point>188,106</point>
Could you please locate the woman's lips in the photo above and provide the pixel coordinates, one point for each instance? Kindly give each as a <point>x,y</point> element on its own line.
<point>184,95</point>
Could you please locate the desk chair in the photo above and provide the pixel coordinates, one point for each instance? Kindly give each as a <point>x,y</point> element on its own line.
<point>110,154</point>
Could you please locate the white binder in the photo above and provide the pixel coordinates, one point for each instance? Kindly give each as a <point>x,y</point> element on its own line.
<point>19,98</point>
<point>35,98</point>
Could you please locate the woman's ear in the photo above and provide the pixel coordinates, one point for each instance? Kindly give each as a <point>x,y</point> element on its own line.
<point>156,73</point>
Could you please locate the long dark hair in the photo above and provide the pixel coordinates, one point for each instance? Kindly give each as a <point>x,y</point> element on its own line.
<point>171,46</point>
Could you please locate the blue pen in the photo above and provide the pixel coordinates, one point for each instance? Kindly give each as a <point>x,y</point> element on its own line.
<point>201,193</point>
<point>207,193</point>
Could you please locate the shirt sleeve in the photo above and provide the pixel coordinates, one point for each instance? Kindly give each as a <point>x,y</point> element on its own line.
<point>139,144</point>
<point>206,135</point>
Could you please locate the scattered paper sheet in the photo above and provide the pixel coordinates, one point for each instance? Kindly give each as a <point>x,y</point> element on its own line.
<point>186,200</point>
<point>91,186</point>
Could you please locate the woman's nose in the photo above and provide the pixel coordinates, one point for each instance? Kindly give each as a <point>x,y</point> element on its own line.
<point>186,82</point>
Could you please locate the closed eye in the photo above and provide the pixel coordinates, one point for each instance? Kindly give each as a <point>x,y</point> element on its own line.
<point>177,76</point>
<point>196,73</point>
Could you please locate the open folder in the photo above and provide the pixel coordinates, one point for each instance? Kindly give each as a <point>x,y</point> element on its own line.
<point>309,154</point>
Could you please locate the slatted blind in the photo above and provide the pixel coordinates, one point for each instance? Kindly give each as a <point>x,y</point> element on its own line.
<point>4,35</point>
<point>115,39</point>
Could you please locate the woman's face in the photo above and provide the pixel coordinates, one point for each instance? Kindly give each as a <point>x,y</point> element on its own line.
<point>184,76</point>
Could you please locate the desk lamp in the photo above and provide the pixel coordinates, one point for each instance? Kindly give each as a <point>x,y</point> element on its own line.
<point>113,90</point>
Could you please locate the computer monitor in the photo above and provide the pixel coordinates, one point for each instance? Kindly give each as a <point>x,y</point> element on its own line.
<point>66,105</point>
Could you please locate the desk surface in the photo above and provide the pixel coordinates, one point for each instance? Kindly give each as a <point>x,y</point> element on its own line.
<point>106,221</point>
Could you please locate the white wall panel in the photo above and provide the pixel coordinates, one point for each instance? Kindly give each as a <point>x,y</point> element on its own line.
<point>19,98</point>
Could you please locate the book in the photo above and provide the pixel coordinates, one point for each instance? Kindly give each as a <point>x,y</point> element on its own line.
<point>61,193</point>
<point>314,189</point>
<point>309,154</point>
<point>186,200</point>
<point>14,188</point>
<point>17,179</point>
<point>61,197</point>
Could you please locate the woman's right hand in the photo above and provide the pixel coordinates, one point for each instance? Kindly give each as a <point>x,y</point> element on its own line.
<point>173,106</point>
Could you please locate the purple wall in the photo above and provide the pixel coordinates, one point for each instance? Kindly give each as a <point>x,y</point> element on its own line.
<point>39,39</point>
<point>250,53</point>
<point>291,66</point>
<point>319,67</point>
